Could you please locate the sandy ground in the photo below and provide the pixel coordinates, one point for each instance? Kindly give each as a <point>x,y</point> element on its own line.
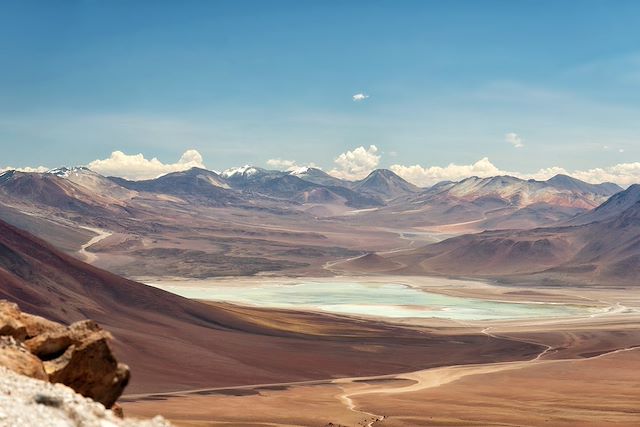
<point>597,391</point>
<point>586,373</point>
<point>91,257</point>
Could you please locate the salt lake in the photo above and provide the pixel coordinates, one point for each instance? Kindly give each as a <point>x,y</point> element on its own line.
<point>390,300</point>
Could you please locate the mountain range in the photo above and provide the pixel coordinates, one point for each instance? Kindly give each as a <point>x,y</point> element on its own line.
<point>248,220</point>
<point>381,187</point>
<point>604,249</point>
<point>497,202</point>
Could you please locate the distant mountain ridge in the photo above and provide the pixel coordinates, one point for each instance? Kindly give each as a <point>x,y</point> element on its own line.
<point>498,202</point>
<point>569,183</point>
<point>514,209</point>
<point>318,176</point>
<point>241,185</point>
<point>386,184</point>
<point>194,182</point>
<point>490,203</point>
<point>614,206</point>
<point>605,248</point>
<point>560,189</point>
<point>61,192</point>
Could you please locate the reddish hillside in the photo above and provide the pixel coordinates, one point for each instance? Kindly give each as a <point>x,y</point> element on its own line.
<point>601,252</point>
<point>174,343</point>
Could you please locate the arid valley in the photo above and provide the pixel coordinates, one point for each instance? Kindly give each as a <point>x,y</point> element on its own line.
<point>310,312</point>
<point>319,213</point>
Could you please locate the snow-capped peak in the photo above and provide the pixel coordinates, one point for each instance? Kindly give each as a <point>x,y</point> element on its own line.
<point>299,170</point>
<point>245,170</point>
<point>65,172</point>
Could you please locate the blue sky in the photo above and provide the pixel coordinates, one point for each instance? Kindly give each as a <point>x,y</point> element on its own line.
<point>248,81</point>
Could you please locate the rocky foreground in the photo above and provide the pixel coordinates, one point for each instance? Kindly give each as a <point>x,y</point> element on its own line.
<point>57,375</point>
<point>35,403</point>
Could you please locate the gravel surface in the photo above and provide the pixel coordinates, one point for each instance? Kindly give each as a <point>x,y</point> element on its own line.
<point>26,402</point>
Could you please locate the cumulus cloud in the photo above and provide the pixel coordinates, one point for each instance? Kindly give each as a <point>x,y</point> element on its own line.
<point>514,139</point>
<point>289,165</point>
<point>281,164</point>
<point>623,174</point>
<point>358,97</point>
<point>425,176</point>
<point>542,174</point>
<point>357,163</point>
<point>136,166</point>
<point>38,169</point>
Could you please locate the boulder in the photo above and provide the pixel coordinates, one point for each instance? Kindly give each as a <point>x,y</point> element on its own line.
<point>90,369</point>
<point>14,356</point>
<point>49,345</point>
<point>10,321</point>
<point>37,325</point>
<point>78,356</point>
<point>21,325</point>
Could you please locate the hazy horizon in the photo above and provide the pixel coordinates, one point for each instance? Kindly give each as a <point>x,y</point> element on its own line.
<point>359,162</point>
<point>431,90</point>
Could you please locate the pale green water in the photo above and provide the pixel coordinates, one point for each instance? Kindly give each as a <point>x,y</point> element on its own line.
<point>385,300</point>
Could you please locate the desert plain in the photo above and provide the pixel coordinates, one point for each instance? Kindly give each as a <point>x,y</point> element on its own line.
<point>580,371</point>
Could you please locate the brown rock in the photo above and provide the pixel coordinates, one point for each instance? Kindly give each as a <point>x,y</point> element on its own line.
<point>90,368</point>
<point>78,356</point>
<point>20,325</point>
<point>37,325</point>
<point>79,331</point>
<point>10,321</point>
<point>53,342</point>
<point>49,345</point>
<point>16,357</point>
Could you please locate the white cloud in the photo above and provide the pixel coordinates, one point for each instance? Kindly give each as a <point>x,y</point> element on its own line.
<point>425,176</point>
<point>359,97</point>
<point>609,148</point>
<point>289,165</point>
<point>38,169</point>
<point>137,167</point>
<point>357,163</point>
<point>281,164</point>
<point>542,174</point>
<point>514,139</point>
<point>623,174</point>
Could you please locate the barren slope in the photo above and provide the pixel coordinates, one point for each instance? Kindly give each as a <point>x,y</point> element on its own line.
<point>174,343</point>
<point>604,252</point>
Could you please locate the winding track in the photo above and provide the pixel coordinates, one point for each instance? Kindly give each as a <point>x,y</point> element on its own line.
<point>421,380</point>
<point>432,378</point>
<point>90,257</point>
